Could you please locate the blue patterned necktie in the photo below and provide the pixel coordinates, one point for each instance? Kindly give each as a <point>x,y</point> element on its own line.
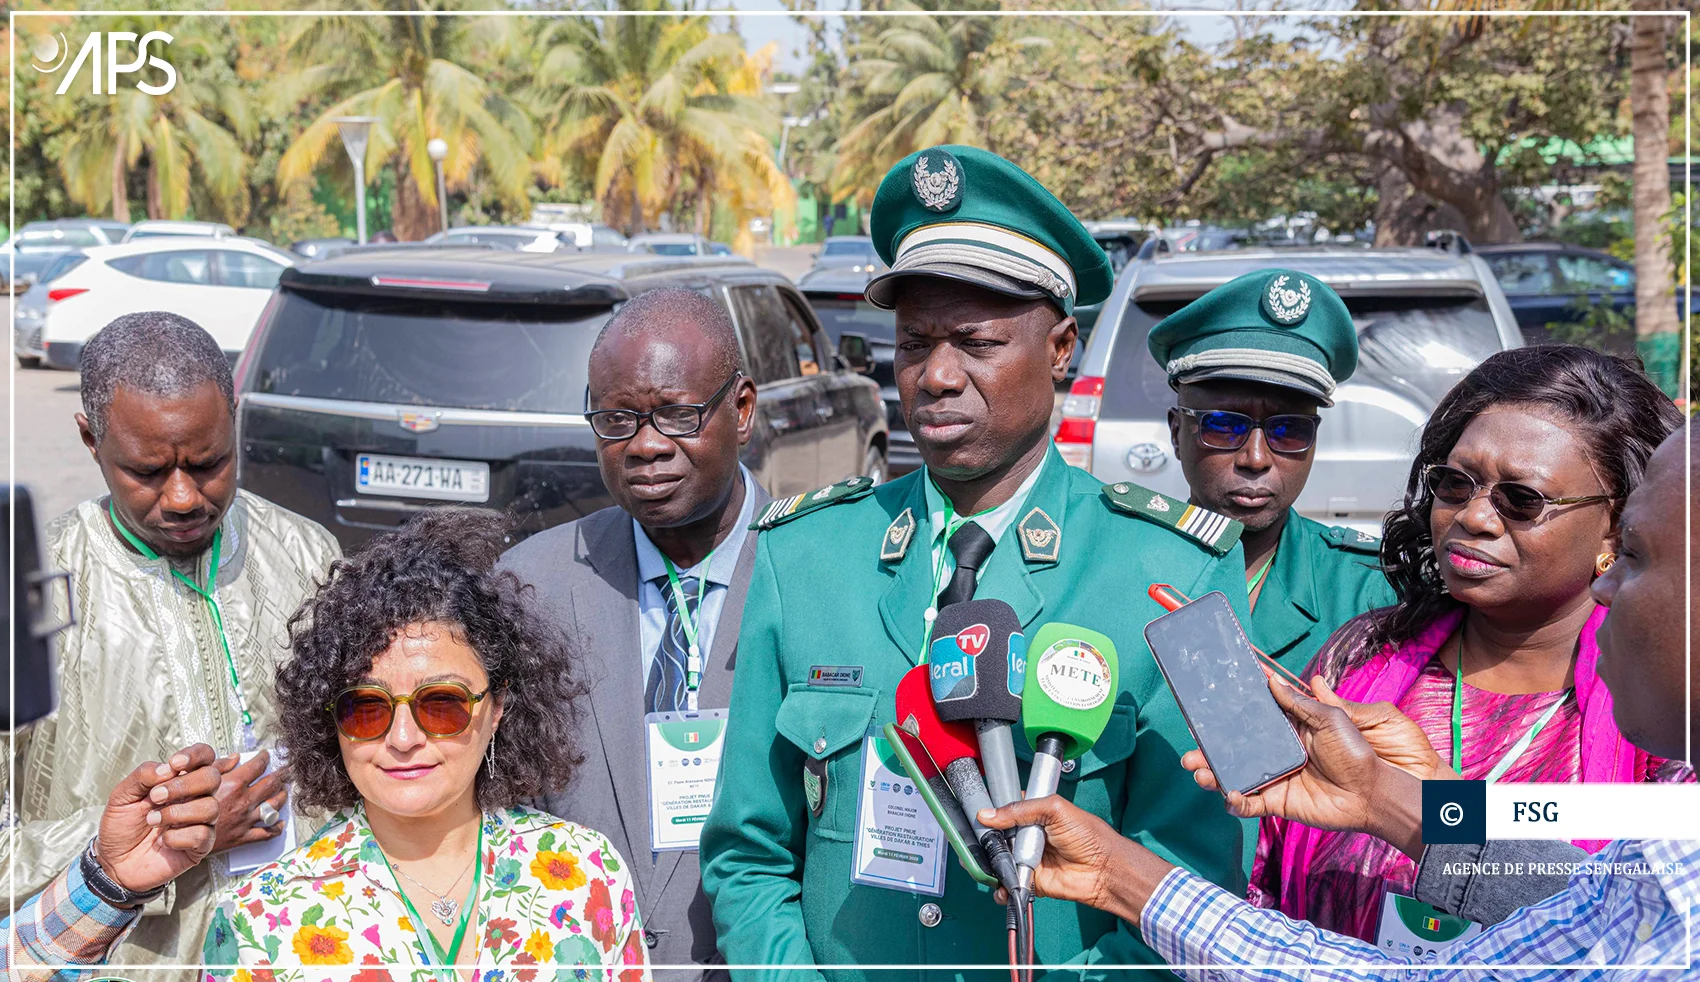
<point>665,691</point>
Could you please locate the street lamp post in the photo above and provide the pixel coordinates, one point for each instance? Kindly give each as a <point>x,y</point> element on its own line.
<point>355,130</point>
<point>437,149</point>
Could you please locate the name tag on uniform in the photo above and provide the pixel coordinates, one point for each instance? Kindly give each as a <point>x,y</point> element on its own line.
<point>1411,927</point>
<point>843,675</point>
<point>684,762</point>
<point>899,845</point>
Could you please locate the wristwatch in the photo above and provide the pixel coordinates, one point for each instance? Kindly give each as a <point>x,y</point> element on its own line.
<point>105,887</point>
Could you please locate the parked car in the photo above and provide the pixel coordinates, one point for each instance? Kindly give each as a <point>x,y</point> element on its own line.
<point>382,382</point>
<point>1425,317</point>
<point>588,236</point>
<point>671,244</point>
<point>837,298</point>
<point>221,284</point>
<point>1120,241</point>
<point>29,312</point>
<point>319,248</point>
<point>158,228</point>
<point>852,253</point>
<point>1554,283</point>
<point>35,246</point>
<point>512,238</point>
<point>720,249</point>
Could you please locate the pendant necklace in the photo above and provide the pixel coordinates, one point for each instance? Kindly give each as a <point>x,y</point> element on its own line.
<point>443,907</point>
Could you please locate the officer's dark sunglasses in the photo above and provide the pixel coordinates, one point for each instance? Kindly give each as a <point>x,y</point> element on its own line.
<point>1222,430</point>
<point>682,419</point>
<point>1518,502</point>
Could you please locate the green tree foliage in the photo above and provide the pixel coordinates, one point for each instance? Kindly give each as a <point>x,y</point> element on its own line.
<point>653,111</point>
<point>421,77</point>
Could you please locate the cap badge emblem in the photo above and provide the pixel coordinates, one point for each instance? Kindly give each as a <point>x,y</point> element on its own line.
<point>1285,305</point>
<point>937,179</point>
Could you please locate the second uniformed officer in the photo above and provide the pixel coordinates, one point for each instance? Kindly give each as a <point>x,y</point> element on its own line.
<point>986,269</point>
<point>1251,363</point>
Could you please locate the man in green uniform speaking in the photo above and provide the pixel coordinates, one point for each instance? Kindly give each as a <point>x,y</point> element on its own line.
<point>986,270</point>
<point>1251,363</point>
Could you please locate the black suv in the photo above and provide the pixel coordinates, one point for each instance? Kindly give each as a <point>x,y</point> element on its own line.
<point>378,383</point>
<point>837,296</point>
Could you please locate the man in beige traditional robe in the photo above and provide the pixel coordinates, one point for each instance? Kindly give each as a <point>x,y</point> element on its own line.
<point>144,669</point>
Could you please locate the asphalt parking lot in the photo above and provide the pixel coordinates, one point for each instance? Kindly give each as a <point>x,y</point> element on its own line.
<point>47,455</point>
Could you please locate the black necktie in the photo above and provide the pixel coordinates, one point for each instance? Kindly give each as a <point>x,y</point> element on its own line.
<point>970,545</point>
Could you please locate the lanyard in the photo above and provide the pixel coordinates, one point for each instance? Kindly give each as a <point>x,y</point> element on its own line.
<point>690,622</point>
<point>1257,581</point>
<point>1517,748</point>
<point>444,958</point>
<point>952,522</point>
<point>206,594</point>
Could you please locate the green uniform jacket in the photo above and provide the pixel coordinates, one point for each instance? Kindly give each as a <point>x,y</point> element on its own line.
<point>779,876</point>
<point>1323,577</point>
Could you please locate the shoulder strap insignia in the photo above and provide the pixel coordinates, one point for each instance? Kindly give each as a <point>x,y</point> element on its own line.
<point>1352,540</point>
<point>897,536</point>
<point>1215,532</point>
<point>1041,538</point>
<point>784,509</point>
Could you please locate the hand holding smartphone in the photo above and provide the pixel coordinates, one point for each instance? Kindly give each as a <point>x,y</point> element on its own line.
<point>1223,693</point>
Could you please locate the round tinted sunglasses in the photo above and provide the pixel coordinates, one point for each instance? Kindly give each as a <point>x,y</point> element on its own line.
<point>1222,430</point>
<point>441,709</point>
<point>1512,500</point>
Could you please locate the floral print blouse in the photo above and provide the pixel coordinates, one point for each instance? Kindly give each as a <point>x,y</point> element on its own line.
<point>555,904</point>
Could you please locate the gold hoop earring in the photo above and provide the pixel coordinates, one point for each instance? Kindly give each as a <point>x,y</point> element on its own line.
<point>1603,562</point>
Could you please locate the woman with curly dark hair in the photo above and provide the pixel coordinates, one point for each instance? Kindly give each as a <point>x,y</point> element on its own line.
<point>1510,513</point>
<point>423,703</point>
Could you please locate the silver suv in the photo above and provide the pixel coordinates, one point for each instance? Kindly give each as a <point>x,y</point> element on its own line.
<point>1425,317</point>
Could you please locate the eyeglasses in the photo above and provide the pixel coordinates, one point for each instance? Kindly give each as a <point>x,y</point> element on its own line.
<point>442,709</point>
<point>682,419</point>
<point>1518,502</point>
<point>1221,430</point>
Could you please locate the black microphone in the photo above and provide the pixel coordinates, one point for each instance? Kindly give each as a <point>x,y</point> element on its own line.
<point>978,665</point>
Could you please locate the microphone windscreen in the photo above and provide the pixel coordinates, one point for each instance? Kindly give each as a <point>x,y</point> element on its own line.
<point>1071,686</point>
<point>943,742</point>
<point>977,658</point>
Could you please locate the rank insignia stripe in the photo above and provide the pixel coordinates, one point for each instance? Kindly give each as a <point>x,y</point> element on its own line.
<point>784,510</point>
<point>1214,531</point>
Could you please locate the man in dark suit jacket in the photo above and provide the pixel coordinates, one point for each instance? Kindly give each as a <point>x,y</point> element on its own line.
<point>639,585</point>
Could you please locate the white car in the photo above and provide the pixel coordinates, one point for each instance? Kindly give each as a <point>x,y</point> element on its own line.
<point>220,284</point>
<point>154,228</point>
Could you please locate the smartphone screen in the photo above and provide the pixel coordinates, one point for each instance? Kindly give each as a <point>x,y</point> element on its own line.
<point>1224,695</point>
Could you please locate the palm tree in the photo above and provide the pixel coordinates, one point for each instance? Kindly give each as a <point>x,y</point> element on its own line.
<point>932,83</point>
<point>410,73</point>
<point>648,109</point>
<point>191,138</point>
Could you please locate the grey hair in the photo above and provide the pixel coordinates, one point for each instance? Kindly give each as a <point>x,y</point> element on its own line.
<point>659,310</point>
<point>152,352</point>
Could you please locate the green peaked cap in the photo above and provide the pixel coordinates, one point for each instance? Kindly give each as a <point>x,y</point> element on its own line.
<point>967,214</point>
<point>1275,326</point>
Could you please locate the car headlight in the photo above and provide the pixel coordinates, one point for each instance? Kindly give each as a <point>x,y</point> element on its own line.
<point>29,314</point>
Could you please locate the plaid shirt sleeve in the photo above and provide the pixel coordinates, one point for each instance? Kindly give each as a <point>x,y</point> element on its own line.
<point>1600,920</point>
<point>64,924</point>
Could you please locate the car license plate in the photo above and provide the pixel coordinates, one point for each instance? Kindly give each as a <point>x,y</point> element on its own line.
<point>421,477</point>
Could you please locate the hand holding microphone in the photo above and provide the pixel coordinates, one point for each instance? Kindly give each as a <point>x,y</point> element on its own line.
<point>1066,702</point>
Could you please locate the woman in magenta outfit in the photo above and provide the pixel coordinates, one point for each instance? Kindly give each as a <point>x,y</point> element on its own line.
<point>1510,512</point>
